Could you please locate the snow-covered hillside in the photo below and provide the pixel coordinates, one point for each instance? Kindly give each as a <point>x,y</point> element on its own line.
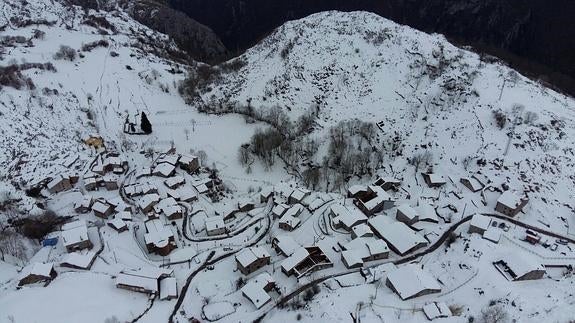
<point>43,128</point>
<point>129,252</point>
<point>435,96</point>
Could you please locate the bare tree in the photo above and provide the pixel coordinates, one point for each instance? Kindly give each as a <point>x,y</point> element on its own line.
<point>244,155</point>
<point>202,156</point>
<point>421,159</point>
<point>494,314</point>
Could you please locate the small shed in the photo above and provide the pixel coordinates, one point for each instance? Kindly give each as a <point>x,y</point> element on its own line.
<point>436,310</point>
<point>479,224</point>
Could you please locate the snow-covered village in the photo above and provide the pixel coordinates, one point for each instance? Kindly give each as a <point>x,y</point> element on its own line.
<point>346,168</point>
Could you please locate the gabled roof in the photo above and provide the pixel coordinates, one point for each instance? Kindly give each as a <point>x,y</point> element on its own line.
<point>286,244</point>
<point>186,159</point>
<point>397,234</point>
<point>290,221</point>
<point>168,288</point>
<point>148,200</point>
<point>280,209</point>
<point>174,181</point>
<point>170,159</point>
<point>366,247</point>
<point>475,184</point>
<point>37,269</point>
<point>480,221</point>
<point>295,259</point>
<point>520,265</point>
<point>186,193</point>
<point>254,290</point>
<point>349,218</point>
<point>124,215</point>
<point>408,211</point>
<point>79,260</point>
<point>361,230</point>
<point>354,189</point>
<point>158,234</point>
<point>214,223</point>
<point>117,223</point>
<point>435,178</point>
<point>410,280</point>
<point>250,255</point>
<point>426,212</point>
<point>57,180</point>
<point>294,211</point>
<point>509,199</point>
<point>101,207</point>
<point>75,235</point>
<point>436,309</point>
<point>164,169</point>
<point>299,193</point>
<point>74,224</point>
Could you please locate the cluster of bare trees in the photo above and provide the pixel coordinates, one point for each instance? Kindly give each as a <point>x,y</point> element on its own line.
<point>65,53</point>
<point>421,159</point>
<point>264,145</point>
<point>352,151</point>
<point>285,138</point>
<point>203,76</point>
<point>11,244</point>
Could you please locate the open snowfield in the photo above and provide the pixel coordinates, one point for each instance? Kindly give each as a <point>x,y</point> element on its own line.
<point>69,298</point>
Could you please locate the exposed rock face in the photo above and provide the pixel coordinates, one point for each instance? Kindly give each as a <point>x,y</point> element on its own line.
<point>535,36</point>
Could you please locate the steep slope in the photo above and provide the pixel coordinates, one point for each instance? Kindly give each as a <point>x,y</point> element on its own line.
<point>199,41</point>
<point>46,109</point>
<point>423,92</point>
<point>534,36</point>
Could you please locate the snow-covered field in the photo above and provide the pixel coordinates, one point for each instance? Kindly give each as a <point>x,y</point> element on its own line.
<point>417,87</point>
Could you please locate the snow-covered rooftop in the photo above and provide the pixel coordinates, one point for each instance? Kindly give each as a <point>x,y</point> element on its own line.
<point>410,280</point>
<point>254,290</point>
<point>397,234</point>
<point>286,244</point>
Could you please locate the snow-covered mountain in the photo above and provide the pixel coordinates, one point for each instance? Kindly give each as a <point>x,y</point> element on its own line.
<point>68,73</point>
<point>433,95</point>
